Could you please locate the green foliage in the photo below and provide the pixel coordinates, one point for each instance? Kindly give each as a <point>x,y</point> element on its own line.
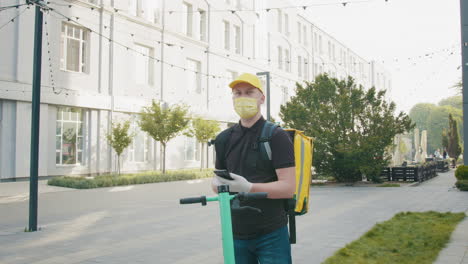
<point>406,238</point>
<point>462,185</point>
<point>445,140</point>
<point>164,123</point>
<point>435,118</point>
<point>203,130</point>
<point>119,138</point>
<point>128,179</point>
<point>461,173</point>
<point>419,114</point>
<point>453,101</point>
<point>454,148</point>
<point>352,127</point>
<point>389,185</point>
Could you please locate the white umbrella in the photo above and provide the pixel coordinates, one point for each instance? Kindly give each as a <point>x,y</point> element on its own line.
<point>417,155</point>
<point>424,144</point>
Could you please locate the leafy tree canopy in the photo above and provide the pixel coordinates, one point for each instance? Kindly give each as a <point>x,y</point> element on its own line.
<point>352,127</point>
<point>434,119</point>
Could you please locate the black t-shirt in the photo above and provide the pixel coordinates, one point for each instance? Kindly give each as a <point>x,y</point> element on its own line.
<point>240,146</point>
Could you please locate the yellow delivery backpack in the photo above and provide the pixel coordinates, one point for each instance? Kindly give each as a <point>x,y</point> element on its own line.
<point>303,153</point>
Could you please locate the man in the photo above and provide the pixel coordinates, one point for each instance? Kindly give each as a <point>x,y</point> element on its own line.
<point>258,237</point>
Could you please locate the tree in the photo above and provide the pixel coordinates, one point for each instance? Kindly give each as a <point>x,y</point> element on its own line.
<point>203,131</point>
<point>352,127</point>
<point>163,124</point>
<point>445,140</point>
<point>119,139</point>
<point>454,148</point>
<point>453,101</point>
<point>434,119</point>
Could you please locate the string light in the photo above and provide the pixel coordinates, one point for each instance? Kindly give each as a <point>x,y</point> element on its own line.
<point>52,82</point>
<point>278,8</point>
<point>12,6</point>
<point>181,47</point>
<point>269,60</point>
<point>13,19</point>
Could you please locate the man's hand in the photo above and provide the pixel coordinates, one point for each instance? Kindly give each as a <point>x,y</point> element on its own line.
<point>239,184</point>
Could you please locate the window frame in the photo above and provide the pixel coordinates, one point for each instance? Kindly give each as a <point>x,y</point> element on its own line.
<point>81,122</point>
<point>149,63</point>
<point>197,72</point>
<point>227,35</point>
<point>84,47</point>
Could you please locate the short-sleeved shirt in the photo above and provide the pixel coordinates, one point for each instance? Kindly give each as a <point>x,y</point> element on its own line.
<point>249,224</point>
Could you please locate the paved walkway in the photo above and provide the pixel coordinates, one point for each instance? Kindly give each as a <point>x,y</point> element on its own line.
<point>145,224</point>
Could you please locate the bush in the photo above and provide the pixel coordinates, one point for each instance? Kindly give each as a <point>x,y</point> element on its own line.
<point>128,179</point>
<point>461,173</point>
<point>462,185</point>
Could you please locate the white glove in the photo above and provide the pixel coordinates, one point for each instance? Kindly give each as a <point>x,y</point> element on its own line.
<point>239,184</point>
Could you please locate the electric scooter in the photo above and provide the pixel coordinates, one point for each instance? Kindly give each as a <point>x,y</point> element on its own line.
<point>224,199</point>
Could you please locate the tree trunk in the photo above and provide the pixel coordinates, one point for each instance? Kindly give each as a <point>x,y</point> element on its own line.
<point>118,165</point>
<point>207,156</point>
<point>164,158</point>
<point>201,156</point>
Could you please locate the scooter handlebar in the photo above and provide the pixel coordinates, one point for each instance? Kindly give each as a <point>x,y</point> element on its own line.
<point>191,200</point>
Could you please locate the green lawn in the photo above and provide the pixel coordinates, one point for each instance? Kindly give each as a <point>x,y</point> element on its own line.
<point>129,179</point>
<point>389,185</point>
<point>406,238</point>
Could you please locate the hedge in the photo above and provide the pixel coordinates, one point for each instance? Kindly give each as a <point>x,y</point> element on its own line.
<point>128,179</point>
<point>461,173</point>
<point>462,185</point>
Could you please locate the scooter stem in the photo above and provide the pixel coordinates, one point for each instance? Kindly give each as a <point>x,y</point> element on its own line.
<point>226,225</point>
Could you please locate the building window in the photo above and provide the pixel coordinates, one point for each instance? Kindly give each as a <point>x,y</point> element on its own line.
<point>299,30</point>
<point>146,9</point>
<point>304,34</point>
<point>254,41</point>
<point>192,149</point>
<point>139,148</point>
<point>320,45</point>
<point>227,33</point>
<point>286,24</point>
<point>187,18</point>
<point>306,69</point>
<point>193,76</point>
<point>144,65</point>
<point>315,42</point>
<point>333,51</point>
<point>202,27</point>
<point>69,136</point>
<point>280,22</point>
<point>299,66</point>
<point>74,48</point>
<point>287,60</point>
<point>230,76</point>
<point>237,39</point>
<point>285,95</point>
<point>280,58</point>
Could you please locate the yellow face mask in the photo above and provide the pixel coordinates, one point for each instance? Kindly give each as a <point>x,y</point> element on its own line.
<point>245,107</point>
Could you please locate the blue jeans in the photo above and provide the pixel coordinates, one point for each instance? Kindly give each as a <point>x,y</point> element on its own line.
<point>272,248</point>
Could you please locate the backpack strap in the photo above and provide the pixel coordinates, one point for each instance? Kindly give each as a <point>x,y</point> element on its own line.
<point>265,137</point>
<point>220,143</point>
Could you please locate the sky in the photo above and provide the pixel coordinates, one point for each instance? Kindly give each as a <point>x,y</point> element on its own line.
<point>399,34</point>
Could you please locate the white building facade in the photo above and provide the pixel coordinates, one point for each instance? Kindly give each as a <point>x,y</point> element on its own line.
<point>104,60</point>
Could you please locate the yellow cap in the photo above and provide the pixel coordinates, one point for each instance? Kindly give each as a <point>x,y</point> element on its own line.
<point>247,78</point>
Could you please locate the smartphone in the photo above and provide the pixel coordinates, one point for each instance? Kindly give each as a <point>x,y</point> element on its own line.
<point>223,174</point>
